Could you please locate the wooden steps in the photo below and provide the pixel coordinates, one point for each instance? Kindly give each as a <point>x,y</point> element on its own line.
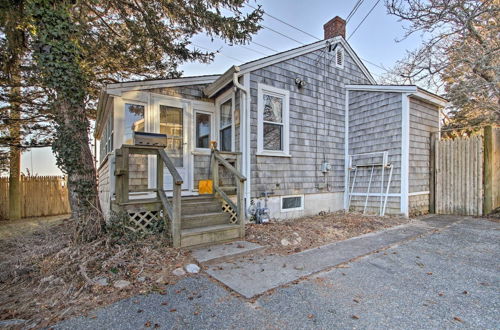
<point>203,222</point>
<point>209,235</point>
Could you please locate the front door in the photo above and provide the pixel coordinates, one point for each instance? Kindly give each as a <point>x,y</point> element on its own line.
<point>173,125</point>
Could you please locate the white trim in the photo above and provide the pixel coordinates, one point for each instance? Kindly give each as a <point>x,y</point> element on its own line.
<point>405,151</point>
<point>425,96</point>
<point>248,129</point>
<point>270,60</point>
<point>301,207</point>
<point>376,194</point>
<point>414,90</point>
<point>119,88</point>
<point>346,150</point>
<point>226,77</point>
<point>419,193</point>
<point>382,88</point>
<point>197,150</point>
<point>285,95</point>
<point>223,98</point>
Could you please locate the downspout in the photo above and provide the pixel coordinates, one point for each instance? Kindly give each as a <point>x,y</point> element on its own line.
<point>245,132</point>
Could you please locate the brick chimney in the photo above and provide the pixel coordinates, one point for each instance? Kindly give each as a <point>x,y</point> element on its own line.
<point>334,27</point>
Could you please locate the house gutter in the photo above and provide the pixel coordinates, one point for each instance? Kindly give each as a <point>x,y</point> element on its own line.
<point>246,129</point>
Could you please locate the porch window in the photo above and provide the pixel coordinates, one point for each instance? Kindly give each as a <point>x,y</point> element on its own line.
<point>226,126</point>
<point>171,124</point>
<point>106,142</point>
<point>134,121</point>
<point>273,104</point>
<point>203,131</point>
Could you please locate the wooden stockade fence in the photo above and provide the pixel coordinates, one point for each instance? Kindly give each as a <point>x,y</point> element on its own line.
<point>459,176</point>
<point>41,196</point>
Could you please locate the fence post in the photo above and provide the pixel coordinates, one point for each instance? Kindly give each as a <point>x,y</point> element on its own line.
<point>488,170</point>
<point>432,177</point>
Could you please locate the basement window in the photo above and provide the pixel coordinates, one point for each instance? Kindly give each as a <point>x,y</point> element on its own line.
<point>292,203</point>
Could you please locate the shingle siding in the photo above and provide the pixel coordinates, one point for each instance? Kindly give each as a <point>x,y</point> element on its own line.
<point>375,126</point>
<point>424,119</point>
<point>316,124</point>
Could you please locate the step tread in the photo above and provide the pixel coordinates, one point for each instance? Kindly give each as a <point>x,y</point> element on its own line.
<point>140,201</point>
<point>199,230</point>
<point>208,214</point>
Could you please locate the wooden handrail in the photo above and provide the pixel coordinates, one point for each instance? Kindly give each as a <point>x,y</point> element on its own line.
<point>239,207</point>
<point>172,210</point>
<point>230,167</point>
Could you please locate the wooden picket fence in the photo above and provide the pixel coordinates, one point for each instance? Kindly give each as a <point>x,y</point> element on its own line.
<point>41,196</point>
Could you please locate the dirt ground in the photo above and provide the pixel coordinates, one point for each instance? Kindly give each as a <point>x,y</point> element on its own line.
<point>44,278</point>
<point>291,236</point>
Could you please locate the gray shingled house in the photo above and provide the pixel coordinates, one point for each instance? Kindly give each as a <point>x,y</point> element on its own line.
<point>309,128</point>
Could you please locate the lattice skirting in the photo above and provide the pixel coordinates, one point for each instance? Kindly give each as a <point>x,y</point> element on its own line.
<point>227,208</point>
<point>145,221</point>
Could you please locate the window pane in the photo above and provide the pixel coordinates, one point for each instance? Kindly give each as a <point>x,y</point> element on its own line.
<point>291,202</point>
<point>225,114</point>
<point>273,108</point>
<point>272,137</point>
<point>225,139</point>
<point>171,125</point>
<point>202,130</point>
<point>134,121</point>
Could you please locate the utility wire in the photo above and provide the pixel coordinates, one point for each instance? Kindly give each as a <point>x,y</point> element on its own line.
<point>264,46</point>
<point>282,21</point>
<point>357,27</point>
<point>354,9</point>
<point>282,34</point>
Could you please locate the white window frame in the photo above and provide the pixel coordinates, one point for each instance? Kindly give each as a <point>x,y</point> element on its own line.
<point>285,95</point>
<point>228,95</point>
<point>295,208</point>
<point>146,114</point>
<point>342,52</point>
<point>212,130</point>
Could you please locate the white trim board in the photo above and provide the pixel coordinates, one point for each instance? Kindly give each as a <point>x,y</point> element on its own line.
<point>405,152</point>
<point>412,89</point>
<point>226,77</point>
<point>148,84</point>
<point>418,193</point>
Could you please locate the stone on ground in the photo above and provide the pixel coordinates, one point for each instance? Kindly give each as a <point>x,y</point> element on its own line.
<point>192,268</point>
<point>121,284</point>
<point>179,272</point>
<point>217,253</point>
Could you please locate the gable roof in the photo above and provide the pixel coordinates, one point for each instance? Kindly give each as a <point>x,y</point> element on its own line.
<point>227,76</point>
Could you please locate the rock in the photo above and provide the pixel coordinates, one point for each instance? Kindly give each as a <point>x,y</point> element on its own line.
<point>285,242</point>
<point>101,281</point>
<point>141,279</point>
<point>295,233</point>
<point>179,272</point>
<point>121,284</point>
<point>192,268</point>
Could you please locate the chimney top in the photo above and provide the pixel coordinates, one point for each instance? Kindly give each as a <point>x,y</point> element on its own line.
<point>334,27</point>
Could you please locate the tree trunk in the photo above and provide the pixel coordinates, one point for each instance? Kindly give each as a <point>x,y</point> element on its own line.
<point>82,178</point>
<point>14,159</point>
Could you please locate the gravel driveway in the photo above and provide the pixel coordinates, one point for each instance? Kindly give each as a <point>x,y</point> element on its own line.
<point>444,279</point>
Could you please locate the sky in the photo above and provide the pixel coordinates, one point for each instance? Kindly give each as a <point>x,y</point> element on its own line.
<point>374,41</point>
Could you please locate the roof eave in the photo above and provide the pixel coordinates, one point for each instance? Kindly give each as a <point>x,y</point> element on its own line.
<point>221,82</point>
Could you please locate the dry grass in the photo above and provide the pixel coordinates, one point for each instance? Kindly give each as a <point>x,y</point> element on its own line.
<point>44,278</point>
<point>309,232</point>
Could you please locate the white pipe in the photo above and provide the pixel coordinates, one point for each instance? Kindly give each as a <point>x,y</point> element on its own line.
<point>245,132</point>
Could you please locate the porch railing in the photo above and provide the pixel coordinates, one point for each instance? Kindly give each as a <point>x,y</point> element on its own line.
<point>172,209</point>
<point>218,159</point>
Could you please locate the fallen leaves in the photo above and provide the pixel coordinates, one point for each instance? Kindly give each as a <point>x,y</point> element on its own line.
<point>315,231</point>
